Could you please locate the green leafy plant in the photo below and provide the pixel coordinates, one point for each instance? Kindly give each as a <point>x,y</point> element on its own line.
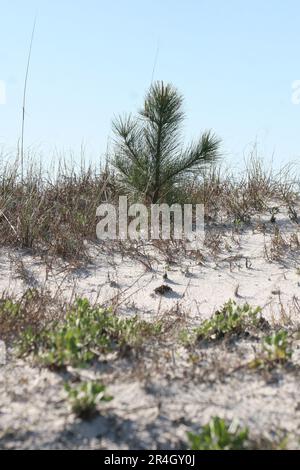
<point>9,307</point>
<point>276,349</point>
<point>86,332</point>
<point>85,397</point>
<point>219,435</point>
<point>26,315</point>
<point>231,319</point>
<point>276,346</point>
<point>185,337</point>
<point>149,155</point>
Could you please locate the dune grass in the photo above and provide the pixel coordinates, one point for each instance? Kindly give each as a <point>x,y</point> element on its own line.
<point>54,212</point>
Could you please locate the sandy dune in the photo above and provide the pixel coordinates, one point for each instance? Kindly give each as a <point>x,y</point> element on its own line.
<point>164,396</point>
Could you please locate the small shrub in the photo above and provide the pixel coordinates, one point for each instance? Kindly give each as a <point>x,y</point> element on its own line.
<point>185,338</point>
<point>148,155</point>
<point>8,307</point>
<point>275,350</point>
<point>28,314</point>
<point>276,346</point>
<point>231,319</point>
<point>85,397</point>
<point>86,332</point>
<point>218,435</point>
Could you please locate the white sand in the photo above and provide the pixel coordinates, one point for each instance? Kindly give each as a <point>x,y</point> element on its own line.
<point>171,396</point>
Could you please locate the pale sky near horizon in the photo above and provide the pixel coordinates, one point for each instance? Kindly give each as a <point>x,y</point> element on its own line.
<point>234,61</point>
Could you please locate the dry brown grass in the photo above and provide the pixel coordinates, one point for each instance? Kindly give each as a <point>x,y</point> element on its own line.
<point>35,309</point>
<point>54,213</point>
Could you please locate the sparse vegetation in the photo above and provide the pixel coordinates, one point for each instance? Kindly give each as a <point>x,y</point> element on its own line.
<point>53,213</point>
<point>54,219</point>
<point>86,333</point>
<point>150,275</point>
<point>276,349</point>
<point>28,315</point>
<point>219,435</point>
<point>85,397</point>
<point>230,319</point>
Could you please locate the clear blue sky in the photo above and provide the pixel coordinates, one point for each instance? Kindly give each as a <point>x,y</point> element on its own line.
<point>233,60</point>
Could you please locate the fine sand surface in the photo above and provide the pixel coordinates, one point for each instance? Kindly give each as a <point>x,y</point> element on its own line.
<point>164,394</point>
